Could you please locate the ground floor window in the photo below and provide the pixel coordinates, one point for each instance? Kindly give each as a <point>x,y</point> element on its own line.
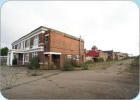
<point>34,54</point>
<point>69,56</point>
<point>27,57</point>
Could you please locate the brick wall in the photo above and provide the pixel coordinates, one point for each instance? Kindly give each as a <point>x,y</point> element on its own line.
<point>103,55</point>
<point>41,56</point>
<point>65,45</point>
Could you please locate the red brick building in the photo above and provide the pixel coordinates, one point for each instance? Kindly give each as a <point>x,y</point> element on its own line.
<point>94,54</point>
<point>49,45</point>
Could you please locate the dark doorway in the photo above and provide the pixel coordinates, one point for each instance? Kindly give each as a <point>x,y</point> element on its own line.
<point>56,60</point>
<point>20,58</point>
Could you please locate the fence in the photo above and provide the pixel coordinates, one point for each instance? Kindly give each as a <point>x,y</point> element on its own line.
<point>3,60</point>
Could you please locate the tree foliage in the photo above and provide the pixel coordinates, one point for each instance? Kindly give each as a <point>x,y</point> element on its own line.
<point>94,47</point>
<point>4,51</point>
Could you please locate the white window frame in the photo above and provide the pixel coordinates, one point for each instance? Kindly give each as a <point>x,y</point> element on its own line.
<point>47,35</point>
<point>19,46</point>
<point>77,56</point>
<point>27,57</point>
<point>35,42</point>
<point>13,47</point>
<point>28,43</point>
<point>69,56</point>
<point>34,54</point>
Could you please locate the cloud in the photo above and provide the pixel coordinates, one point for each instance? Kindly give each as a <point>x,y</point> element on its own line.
<point>107,24</point>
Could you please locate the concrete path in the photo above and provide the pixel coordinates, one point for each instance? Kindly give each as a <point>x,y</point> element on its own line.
<point>86,84</point>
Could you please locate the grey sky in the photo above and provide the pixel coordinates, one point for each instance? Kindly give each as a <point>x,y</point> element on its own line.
<point>106,24</point>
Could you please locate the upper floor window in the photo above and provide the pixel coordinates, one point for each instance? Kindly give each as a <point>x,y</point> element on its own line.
<point>35,40</point>
<point>28,43</point>
<point>22,45</point>
<point>18,46</point>
<point>13,47</point>
<point>47,38</point>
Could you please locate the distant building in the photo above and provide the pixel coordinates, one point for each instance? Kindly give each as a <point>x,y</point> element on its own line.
<point>111,54</point>
<point>94,54</point>
<point>91,55</point>
<point>103,55</point>
<point>120,55</point>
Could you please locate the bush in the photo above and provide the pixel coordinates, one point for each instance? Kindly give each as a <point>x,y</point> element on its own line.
<point>89,62</point>
<point>109,59</point>
<point>74,63</point>
<point>84,66</point>
<point>68,65</point>
<point>14,61</point>
<point>135,62</point>
<point>116,59</point>
<point>53,66</point>
<point>34,63</point>
<point>99,60</point>
<point>134,68</point>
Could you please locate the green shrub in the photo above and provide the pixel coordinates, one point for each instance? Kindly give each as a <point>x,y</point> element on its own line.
<point>34,63</point>
<point>79,64</point>
<point>15,61</point>
<point>68,65</point>
<point>99,60</point>
<point>109,59</point>
<point>84,66</point>
<point>134,68</point>
<point>74,63</point>
<point>89,62</point>
<point>135,62</point>
<point>53,66</point>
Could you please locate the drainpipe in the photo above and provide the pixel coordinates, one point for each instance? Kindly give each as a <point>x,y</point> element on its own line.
<point>80,49</point>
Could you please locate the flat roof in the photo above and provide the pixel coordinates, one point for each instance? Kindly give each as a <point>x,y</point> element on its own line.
<point>42,28</point>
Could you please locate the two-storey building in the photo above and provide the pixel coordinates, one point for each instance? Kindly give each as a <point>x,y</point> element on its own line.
<point>49,45</point>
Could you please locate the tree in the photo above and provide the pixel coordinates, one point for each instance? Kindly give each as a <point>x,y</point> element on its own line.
<point>4,51</point>
<point>94,47</point>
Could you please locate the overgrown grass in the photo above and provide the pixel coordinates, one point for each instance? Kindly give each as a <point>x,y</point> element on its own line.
<point>84,66</point>
<point>68,66</point>
<point>134,68</point>
<point>100,65</point>
<point>34,63</point>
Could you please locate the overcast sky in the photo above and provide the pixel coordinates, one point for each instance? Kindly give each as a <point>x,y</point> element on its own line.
<point>110,25</point>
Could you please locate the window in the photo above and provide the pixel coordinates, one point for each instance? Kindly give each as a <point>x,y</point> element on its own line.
<point>22,45</point>
<point>77,56</point>
<point>18,46</point>
<point>35,40</point>
<point>13,47</point>
<point>27,57</point>
<point>28,43</point>
<point>34,54</point>
<point>47,39</point>
<point>69,56</point>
